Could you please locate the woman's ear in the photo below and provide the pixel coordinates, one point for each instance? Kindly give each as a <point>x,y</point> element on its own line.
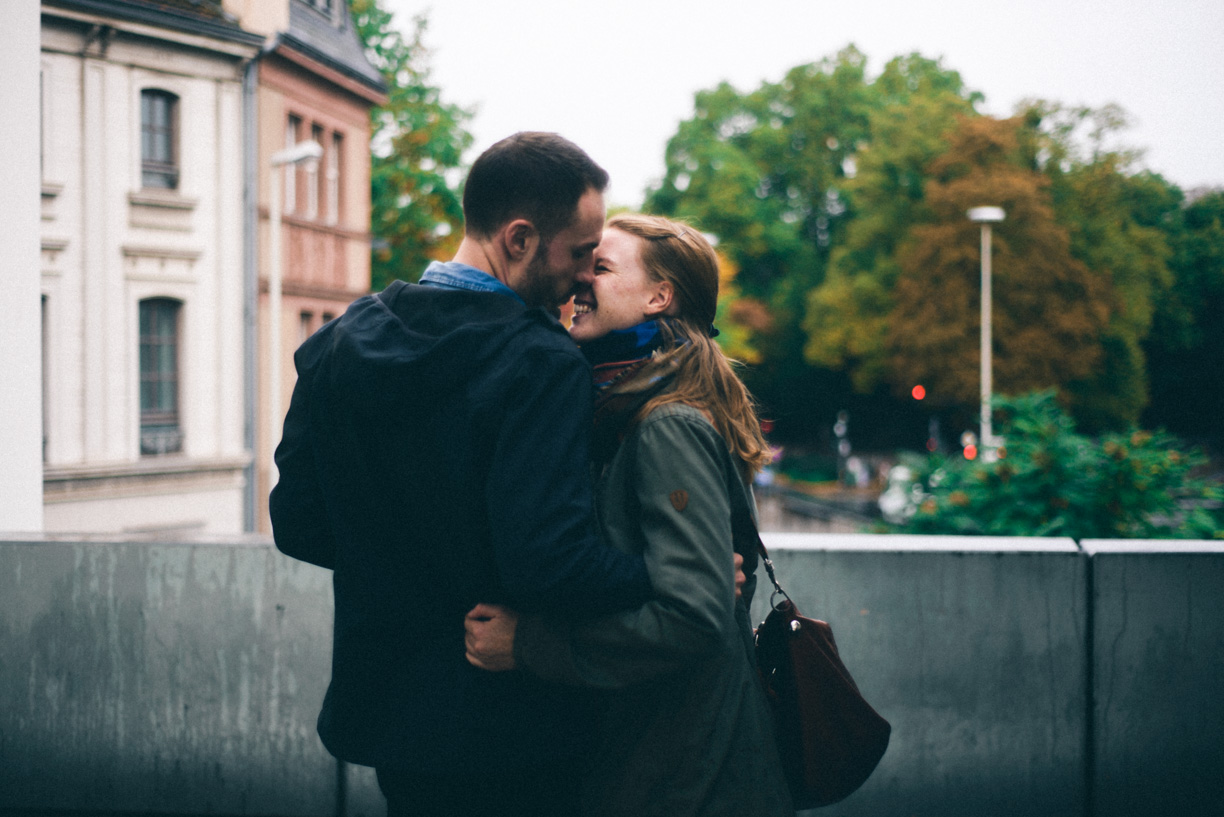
<point>662,300</point>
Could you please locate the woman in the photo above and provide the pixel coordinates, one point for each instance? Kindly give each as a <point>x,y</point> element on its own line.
<point>687,729</point>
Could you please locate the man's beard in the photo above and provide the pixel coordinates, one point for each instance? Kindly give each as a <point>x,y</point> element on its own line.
<point>540,287</point>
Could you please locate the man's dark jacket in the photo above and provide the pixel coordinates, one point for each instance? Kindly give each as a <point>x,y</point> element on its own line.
<point>435,455</point>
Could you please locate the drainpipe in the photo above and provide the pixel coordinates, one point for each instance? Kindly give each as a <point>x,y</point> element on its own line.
<point>250,279</point>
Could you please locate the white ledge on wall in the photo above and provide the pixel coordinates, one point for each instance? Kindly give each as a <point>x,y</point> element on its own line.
<point>895,542</point>
<point>177,253</point>
<point>167,199</point>
<point>1134,546</point>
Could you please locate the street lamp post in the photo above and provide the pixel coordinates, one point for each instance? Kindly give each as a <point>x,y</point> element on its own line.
<point>986,216</point>
<point>301,153</point>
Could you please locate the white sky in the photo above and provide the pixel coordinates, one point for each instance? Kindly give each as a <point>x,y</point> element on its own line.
<point>618,77</point>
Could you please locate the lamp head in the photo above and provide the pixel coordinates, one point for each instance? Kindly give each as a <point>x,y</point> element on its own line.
<point>308,151</point>
<point>986,214</point>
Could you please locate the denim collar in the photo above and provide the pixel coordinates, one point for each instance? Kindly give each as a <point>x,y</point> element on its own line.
<point>453,275</point>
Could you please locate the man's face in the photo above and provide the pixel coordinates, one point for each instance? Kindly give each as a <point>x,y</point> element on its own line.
<point>550,276</point>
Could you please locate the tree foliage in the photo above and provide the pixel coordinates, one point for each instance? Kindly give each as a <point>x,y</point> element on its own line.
<point>842,199</point>
<point>1185,350</point>
<point>1117,223</point>
<point>1048,309</point>
<point>761,170</point>
<point>417,144</point>
<point>769,172</point>
<point>847,316</point>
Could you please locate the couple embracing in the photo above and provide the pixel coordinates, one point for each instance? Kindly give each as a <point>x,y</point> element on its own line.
<point>534,534</point>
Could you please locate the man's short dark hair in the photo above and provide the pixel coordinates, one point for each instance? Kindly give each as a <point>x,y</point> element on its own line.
<point>536,176</point>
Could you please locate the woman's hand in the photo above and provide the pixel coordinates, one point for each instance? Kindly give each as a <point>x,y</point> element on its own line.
<point>489,637</point>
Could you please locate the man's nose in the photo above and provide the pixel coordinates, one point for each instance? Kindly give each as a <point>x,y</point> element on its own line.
<point>585,276</point>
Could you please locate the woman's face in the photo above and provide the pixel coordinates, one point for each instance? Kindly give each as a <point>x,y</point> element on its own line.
<point>621,294</point>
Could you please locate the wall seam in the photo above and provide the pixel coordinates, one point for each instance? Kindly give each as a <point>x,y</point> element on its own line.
<point>1090,685</point>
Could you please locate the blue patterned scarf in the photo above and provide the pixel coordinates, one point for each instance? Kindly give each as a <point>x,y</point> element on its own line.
<point>627,374</point>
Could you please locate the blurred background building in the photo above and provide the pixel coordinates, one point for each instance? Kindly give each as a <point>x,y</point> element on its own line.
<point>157,124</point>
<point>314,83</point>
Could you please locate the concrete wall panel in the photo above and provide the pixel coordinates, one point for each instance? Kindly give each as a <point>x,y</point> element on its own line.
<point>1159,669</point>
<point>974,650</point>
<point>163,678</point>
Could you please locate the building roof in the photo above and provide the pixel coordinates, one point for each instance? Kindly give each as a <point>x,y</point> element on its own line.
<point>202,17</point>
<point>336,45</point>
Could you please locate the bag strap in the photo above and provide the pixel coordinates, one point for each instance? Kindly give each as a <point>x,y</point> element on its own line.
<point>749,530</point>
<point>769,569</point>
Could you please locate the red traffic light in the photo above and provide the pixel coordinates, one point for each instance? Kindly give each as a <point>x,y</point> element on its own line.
<point>919,391</point>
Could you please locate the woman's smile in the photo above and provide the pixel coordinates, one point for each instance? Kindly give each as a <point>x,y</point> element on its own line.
<point>621,295</point>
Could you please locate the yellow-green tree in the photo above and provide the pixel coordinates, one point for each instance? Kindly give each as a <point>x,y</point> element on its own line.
<point>847,315</point>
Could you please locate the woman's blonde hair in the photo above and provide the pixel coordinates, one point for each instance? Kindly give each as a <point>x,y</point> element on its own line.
<point>674,252</point>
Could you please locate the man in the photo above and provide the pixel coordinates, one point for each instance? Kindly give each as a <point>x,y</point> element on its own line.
<point>435,455</point>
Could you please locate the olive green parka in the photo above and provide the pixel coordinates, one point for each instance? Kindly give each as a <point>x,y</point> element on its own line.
<point>687,729</point>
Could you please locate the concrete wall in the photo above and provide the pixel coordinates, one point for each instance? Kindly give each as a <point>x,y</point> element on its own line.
<point>1021,677</point>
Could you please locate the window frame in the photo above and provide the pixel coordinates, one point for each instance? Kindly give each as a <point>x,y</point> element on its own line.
<point>159,140</point>
<point>305,325</point>
<point>293,130</point>
<point>334,171</point>
<point>314,179</point>
<point>161,429</point>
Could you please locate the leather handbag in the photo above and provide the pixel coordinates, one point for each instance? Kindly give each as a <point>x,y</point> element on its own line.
<point>829,738</point>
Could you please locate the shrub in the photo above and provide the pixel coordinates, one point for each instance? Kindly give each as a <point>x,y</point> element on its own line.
<point>1051,481</point>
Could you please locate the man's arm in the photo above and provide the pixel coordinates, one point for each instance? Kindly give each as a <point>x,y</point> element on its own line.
<point>540,499</point>
<point>688,552</point>
<point>299,514</point>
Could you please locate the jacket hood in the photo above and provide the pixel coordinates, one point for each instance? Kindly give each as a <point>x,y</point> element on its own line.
<point>410,335</point>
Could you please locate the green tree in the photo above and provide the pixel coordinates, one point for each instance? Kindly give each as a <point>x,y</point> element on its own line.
<point>1117,221</point>
<point>1185,348</point>
<point>763,171</point>
<point>417,144</point>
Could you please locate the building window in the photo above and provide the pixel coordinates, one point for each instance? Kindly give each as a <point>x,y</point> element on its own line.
<point>42,126</point>
<point>159,377</point>
<point>305,321</point>
<point>46,373</point>
<point>293,127</point>
<point>159,139</point>
<point>325,6</point>
<point>333,178</point>
<point>312,176</point>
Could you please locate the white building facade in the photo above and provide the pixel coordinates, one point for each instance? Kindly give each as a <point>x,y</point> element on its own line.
<point>142,272</point>
<point>21,508</point>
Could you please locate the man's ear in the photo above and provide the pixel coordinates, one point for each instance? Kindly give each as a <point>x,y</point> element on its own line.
<point>519,239</point>
<point>662,300</point>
